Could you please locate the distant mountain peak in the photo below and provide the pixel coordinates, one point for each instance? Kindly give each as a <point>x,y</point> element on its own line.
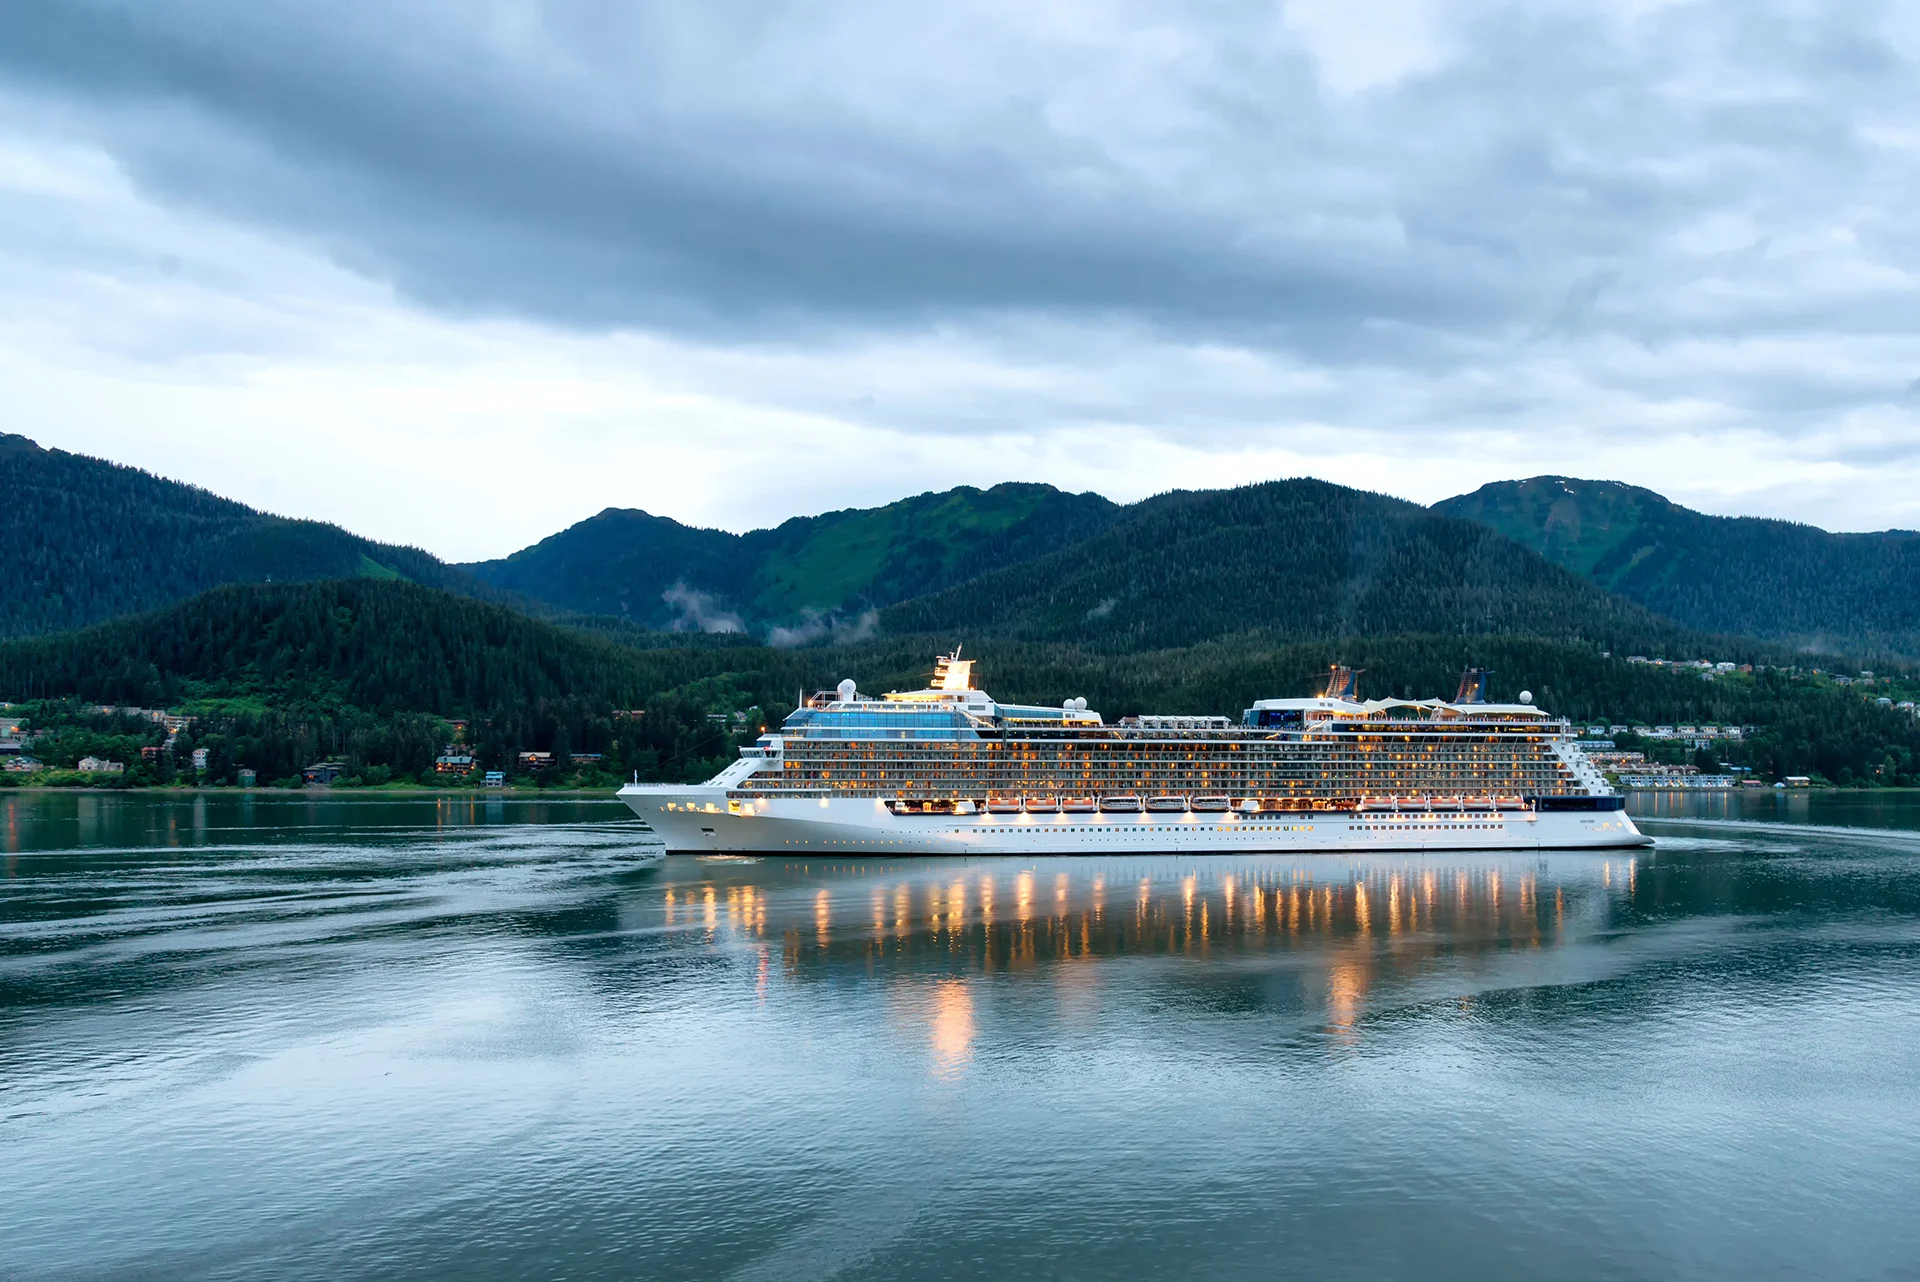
<point>1742,575</point>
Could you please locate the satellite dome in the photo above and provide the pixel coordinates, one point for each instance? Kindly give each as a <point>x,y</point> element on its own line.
<point>1526,696</point>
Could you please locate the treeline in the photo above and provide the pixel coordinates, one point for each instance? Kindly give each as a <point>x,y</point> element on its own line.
<point>374,673</point>
<point>687,735</point>
<point>379,645</point>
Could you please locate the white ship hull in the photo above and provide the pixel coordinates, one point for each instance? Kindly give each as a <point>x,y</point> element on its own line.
<point>697,819</point>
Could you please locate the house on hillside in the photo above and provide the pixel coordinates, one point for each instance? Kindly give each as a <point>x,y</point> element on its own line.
<point>535,760</point>
<point>248,776</point>
<point>100,766</point>
<point>321,774</point>
<point>453,762</point>
<point>11,747</point>
<point>494,779</point>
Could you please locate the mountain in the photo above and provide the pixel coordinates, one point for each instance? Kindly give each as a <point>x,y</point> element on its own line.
<point>87,540</point>
<point>808,578</point>
<point>1744,575</point>
<point>1285,561</point>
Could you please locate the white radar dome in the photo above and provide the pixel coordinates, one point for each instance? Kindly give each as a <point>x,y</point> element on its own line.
<point>845,690</point>
<point>1080,704</point>
<point>1526,696</point>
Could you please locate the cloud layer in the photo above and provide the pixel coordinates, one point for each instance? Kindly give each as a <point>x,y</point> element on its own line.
<point>732,262</point>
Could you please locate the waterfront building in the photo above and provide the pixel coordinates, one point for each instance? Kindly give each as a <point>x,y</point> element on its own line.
<point>322,773</point>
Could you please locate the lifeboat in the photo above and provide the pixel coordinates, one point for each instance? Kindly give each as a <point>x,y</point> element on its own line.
<point>1042,805</point>
<point>1126,804</point>
<point>1213,804</point>
<point>1003,805</point>
<point>1248,806</point>
<point>1163,805</point>
<point>1079,805</point>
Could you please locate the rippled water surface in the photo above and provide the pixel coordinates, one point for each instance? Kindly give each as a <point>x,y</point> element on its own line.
<point>370,1038</point>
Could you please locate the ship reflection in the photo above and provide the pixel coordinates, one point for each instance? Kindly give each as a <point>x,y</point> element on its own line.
<point>1341,927</point>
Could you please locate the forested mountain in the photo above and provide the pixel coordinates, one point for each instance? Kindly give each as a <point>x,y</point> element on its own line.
<point>813,575</point>
<point>85,540</point>
<point>1743,575</point>
<point>1284,560</point>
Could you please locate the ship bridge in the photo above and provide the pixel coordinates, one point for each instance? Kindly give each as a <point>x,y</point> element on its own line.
<point>950,708</point>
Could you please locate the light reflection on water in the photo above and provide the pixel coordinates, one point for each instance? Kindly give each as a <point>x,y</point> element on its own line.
<point>380,1038</point>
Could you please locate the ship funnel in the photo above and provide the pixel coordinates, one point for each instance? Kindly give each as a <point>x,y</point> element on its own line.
<point>1473,685</point>
<point>1342,682</point>
<point>845,690</point>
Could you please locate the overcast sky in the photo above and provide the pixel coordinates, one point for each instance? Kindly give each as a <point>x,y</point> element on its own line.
<point>458,273</point>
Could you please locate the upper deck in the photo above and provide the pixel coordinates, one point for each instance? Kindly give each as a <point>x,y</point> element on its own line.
<point>952,740</point>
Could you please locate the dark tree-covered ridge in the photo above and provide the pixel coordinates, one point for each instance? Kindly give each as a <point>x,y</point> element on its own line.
<point>1746,575</point>
<point>1285,560</point>
<point>86,540</point>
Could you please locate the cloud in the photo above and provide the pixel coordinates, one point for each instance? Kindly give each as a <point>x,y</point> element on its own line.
<point>816,627</point>
<point>699,611</point>
<point>707,254</point>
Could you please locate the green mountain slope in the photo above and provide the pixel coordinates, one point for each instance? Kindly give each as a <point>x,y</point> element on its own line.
<point>87,540</point>
<point>374,643</point>
<point>1285,560</point>
<point>809,575</point>
<point>1744,575</point>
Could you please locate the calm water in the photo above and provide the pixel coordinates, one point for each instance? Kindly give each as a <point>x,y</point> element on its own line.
<point>446,1039</point>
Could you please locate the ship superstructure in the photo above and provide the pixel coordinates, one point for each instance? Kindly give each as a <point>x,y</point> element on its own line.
<point>948,769</point>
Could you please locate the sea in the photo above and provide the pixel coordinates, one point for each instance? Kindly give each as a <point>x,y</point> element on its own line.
<point>289,1036</point>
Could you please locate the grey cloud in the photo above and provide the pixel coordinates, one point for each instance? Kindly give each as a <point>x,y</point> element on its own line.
<point>699,611</point>
<point>816,626</point>
<point>754,173</point>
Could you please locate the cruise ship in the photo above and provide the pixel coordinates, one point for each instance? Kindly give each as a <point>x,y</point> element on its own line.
<point>950,770</point>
